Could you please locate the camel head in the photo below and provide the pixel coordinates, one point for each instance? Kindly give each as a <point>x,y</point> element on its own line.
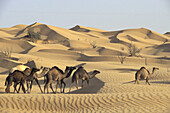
<point>95,72</point>
<point>155,69</point>
<point>46,69</point>
<point>34,70</point>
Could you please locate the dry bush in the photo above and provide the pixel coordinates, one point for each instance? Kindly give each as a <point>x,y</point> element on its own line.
<point>122,56</point>
<point>34,36</point>
<point>133,50</point>
<point>6,53</point>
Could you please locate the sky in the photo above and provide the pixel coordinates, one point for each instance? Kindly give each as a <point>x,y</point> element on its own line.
<point>110,15</point>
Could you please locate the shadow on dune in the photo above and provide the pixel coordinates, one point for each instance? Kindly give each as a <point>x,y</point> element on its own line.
<point>124,70</point>
<point>160,82</point>
<point>5,72</point>
<point>133,81</point>
<point>2,92</point>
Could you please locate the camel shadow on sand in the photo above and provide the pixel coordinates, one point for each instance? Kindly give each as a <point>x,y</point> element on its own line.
<point>125,70</point>
<point>160,82</point>
<point>95,85</point>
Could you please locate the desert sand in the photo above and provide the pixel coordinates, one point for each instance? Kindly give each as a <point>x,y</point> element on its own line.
<point>113,90</point>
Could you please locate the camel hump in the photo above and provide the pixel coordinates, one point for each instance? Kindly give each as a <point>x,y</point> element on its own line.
<point>142,68</point>
<point>58,69</point>
<point>81,67</point>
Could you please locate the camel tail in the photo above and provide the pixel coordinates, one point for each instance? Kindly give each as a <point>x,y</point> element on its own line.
<point>7,81</point>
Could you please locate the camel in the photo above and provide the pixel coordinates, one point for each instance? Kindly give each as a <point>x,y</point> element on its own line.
<point>19,67</point>
<point>143,73</point>
<point>82,74</point>
<point>57,74</point>
<point>18,77</point>
<point>43,71</point>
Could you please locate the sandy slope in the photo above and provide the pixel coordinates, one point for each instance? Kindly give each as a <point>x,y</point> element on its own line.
<point>113,90</point>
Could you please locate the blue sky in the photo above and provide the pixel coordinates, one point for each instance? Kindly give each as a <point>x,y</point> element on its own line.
<point>108,15</point>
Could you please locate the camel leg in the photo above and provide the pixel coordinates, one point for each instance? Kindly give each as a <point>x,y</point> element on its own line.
<point>88,82</point>
<point>135,81</point>
<point>31,85</point>
<point>45,87</point>
<point>23,88</point>
<point>82,83</point>
<point>59,82</point>
<point>48,82</point>
<point>19,88</point>
<point>64,85</point>
<point>28,86</point>
<point>70,86</point>
<point>77,81</point>
<point>56,87</point>
<point>7,90</point>
<point>51,87</point>
<point>15,86</point>
<point>72,81</point>
<point>147,81</point>
<point>38,85</point>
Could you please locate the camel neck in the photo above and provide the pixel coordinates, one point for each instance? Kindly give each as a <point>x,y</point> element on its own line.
<point>153,72</point>
<point>67,74</point>
<point>92,75</point>
<point>32,72</point>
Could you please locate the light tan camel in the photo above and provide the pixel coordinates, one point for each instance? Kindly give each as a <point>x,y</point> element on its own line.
<point>82,74</point>
<point>143,73</point>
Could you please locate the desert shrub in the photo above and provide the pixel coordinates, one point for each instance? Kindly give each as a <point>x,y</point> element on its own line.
<point>133,50</point>
<point>122,56</point>
<point>6,53</point>
<point>34,36</point>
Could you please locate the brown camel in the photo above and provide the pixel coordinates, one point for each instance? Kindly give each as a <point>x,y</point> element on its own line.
<point>18,77</point>
<point>43,71</point>
<point>82,74</point>
<point>143,73</point>
<point>57,74</point>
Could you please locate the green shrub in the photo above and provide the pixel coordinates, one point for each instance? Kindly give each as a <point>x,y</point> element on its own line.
<point>34,36</point>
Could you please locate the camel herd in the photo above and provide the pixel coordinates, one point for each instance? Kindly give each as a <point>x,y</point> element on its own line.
<point>21,74</point>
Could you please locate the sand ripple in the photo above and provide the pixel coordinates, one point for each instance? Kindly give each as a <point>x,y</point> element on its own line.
<point>117,102</point>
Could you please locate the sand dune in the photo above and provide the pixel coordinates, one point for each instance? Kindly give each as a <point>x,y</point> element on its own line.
<point>113,90</point>
<point>13,30</point>
<point>15,45</point>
